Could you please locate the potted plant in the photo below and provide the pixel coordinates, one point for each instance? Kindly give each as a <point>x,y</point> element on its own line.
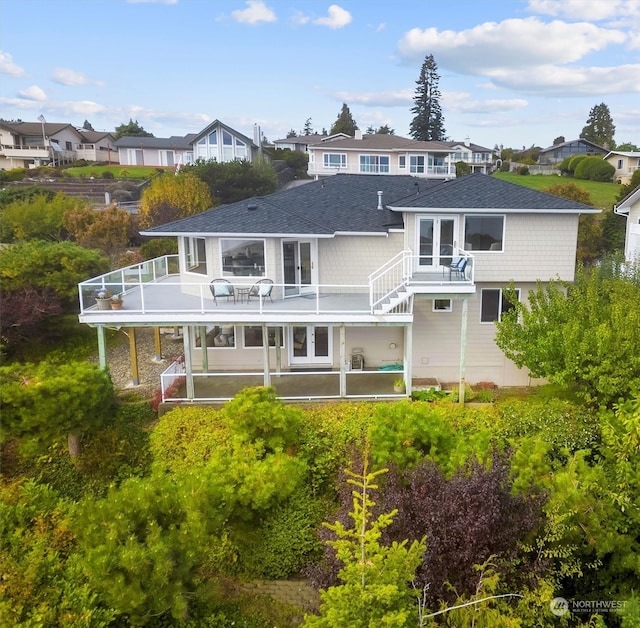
<point>399,386</point>
<point>116,302</point>
<point>103,299</point>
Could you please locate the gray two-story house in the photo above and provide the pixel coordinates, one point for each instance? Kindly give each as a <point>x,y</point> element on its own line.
<point>347,277</point>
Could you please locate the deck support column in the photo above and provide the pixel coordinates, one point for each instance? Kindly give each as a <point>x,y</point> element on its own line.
<point>279,349</point>
<point>158,345</point>
<point>408,352</point>
<point>463,349</point>
<point>133,355</point>
<point>102,348</point>
<point>205,349</point>
<point>265,355</point>
<point>188,366</point>
<point>343,359</point>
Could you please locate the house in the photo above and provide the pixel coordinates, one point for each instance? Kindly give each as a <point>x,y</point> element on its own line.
<point>557,153</point>
<point>379,153</point>
<point>31,144</point>
<point>348,278</point>
<point>216,141</point>
<point>301,143</point>
<point>478,158</point>
<point>155,151</point>
<point>630,207</point>
<point>625,163</point>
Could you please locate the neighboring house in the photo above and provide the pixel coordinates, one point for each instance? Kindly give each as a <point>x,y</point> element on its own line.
<point>370,274</point>
<point>555,154</point>
<point>98,146</point>
<point>155,151</point>
<point>301,143</point>
<point>479,158</point>
<point>31,144</point>
<point>216,141</point>
<point>625,163</point>
<point>630,207</point>
<point>378,153</point>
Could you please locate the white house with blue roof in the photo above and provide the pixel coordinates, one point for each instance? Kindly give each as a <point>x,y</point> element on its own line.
<point>349,279</point>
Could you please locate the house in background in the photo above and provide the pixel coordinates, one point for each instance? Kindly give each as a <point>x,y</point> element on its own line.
<point>625,163</point>
<point>630,207</point>
<point>379,153</point>
<point>336,288</point>
<point>478,158</point>
<point>301,143</point>
<point>31,144</point>
<point>155,151</point>
<point>555,154</point>
<point>216,141</point>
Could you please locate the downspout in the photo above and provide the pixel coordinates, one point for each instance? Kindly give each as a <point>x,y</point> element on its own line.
<point>463,350</point>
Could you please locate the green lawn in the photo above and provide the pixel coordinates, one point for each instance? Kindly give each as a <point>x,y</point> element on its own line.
<point>118,171</point>
<point>602,195</point>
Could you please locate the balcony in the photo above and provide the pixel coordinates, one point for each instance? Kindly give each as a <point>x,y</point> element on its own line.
<point>25,152</point>
<point>155,293</point>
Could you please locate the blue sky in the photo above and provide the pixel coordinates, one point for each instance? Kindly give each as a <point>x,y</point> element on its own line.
<point>512,73</point>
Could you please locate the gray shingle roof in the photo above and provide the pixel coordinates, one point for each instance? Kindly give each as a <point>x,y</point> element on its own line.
<point>347,203</point>
<point>175,141</point>
<point>481,191</point>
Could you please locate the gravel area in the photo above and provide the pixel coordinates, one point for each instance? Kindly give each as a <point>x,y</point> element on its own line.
<point>149,369</point>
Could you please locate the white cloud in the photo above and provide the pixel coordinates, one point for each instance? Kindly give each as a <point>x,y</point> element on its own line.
<point>299,18</point>
<point>33,93</point>
<point>337,18</point>
<point>488,106</point>
<point>7,66</point>
<point>512,42</point>
<point>256,11</point>
<point>66,76</point>
<point>401,97</point>
<point>593,10</point>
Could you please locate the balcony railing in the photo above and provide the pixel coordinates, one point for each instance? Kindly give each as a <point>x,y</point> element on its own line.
<point>156,287</point>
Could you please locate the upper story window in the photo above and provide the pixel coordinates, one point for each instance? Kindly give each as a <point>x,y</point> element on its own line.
<point>494,304</point>
<point>227,146</point>
<point>374,163</point>
<point>242,257</point>
<point>335,160</point>
<point>416,164</point>
<point>483,233</point>
<point>620,164</point>
<point>213,137</point>
<point>196,255</point>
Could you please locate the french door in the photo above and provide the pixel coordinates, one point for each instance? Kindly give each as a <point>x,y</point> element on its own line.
<point>300,266</point>
<point>310,344</point>
<point>437,241</point>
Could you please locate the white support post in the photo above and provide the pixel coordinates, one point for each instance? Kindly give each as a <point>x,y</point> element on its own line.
<point>265,353</point>
<point>463,350</point>
<point>186,335</point>
<point>343,357</point>
<point>408,354</point>
<point>102,348</point>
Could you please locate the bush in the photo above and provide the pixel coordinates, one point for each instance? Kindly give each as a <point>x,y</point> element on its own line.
<point>15,174</point>
<point>523,170</point>
<point>107,174</point>
<point>574,162</point>
<point>505,166</point>
<point>594,169</point>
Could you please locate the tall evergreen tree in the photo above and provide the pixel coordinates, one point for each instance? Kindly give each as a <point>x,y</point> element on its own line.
<point>600,128</point>
<point>428,123</point>
<point>345,122</point>
<point>87,126</point>
<point>132,129</point>
<point>308,129</point>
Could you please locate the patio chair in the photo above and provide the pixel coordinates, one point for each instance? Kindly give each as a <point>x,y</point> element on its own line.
<point>262,289</point>
<point>457,267</point>
<point>222,288</point>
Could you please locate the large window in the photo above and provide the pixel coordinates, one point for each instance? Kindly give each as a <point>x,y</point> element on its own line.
<point>196,255</point>
<point>416,164</point>
<point>242,257</point>
<point>483,233</point>
<point>494,304</point>
<point>374,163</point>
<point>335,160</point>
<point>253,336</point>
<point>402,162</point>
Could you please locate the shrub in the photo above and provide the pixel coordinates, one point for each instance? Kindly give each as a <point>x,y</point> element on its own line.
<point>594,169</point>
<point>505,166</point>
<point>157,247</point>
<point>523,170</point>
<point>574,162</point>
<point>15,174</point>
<point>107,174</point>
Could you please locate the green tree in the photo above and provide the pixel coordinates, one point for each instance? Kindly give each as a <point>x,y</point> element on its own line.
<point>308,128</point>
<point>235,180</point>
<point>131,129</point>
<point>86,125</point>
<point>382,130</point>
<point>428,121</point>
<point>599,128</point>
<point>594,169</point>
<point>627,188</point>
<point>344,122</point>
<point>585,335</point>
<point>628,147</point>
<point>559,140</point>
<point>292,133</point>
<point>570,191</point>
<point>43,403</point>
<point>170,197</point>
<point>375,589</point>
<point>40,217</point>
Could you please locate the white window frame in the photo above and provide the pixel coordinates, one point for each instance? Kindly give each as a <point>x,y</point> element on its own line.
<point>195,255</point>
<point>402,162</point>
<point>448,308</point>
<point>326,161</point>
<point>373,164</point>
<point>501,304</point>
<point>504,229</point>
<point>417,164</point>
